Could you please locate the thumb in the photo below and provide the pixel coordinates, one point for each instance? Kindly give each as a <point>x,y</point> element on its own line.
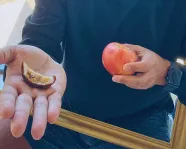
<point>136,67</point>
<point>7,54</point>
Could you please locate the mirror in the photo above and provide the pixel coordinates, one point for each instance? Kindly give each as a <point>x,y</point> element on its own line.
<point>150,127</point>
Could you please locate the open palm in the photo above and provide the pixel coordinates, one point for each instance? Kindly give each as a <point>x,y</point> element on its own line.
<point>17,98</point>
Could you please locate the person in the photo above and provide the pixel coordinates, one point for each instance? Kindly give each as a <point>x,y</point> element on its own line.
<point>66,39</point>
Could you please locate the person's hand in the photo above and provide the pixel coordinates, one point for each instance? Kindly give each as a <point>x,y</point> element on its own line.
<point>17,98</point>
<point>150,70</point>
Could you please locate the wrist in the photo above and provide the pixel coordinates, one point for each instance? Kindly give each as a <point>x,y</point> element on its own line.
<point>166,66</point>
<point>173,77</point>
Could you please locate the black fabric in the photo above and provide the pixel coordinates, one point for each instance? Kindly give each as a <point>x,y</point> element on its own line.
<point>86,27</point>
<point>45,28</point>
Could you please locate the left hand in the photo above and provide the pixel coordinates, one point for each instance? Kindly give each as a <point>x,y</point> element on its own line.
<point>18,99</point>
<point>151,70</point>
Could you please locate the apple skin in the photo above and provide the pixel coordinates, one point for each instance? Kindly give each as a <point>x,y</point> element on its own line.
<point>115,56</point>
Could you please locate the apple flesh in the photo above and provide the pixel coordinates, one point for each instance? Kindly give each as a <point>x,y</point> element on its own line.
<point>115,56</point>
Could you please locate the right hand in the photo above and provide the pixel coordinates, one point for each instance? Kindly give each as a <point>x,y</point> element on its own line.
<point>17,98</point>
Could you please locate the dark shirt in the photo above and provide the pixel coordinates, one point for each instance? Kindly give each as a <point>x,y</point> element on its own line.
<point>76,32</point>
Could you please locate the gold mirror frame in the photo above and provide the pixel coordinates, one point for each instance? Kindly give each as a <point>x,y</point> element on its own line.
<point>123,137</point>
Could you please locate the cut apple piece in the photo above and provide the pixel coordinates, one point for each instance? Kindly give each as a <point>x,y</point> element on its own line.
<point>35,79</point>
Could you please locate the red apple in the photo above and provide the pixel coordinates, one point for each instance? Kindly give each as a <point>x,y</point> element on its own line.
<point>115,56</point>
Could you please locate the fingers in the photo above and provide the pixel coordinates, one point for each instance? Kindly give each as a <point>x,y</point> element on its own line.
<point>7,54</point>
<point>7,102</point>
<point>135,48</point>
<point>147,59</point>
<point>137,82</point>
<point>39,117</point>
<point>39,92</point>
<point>55,101</point>
<point>22,110</point>
<point>137,67</point>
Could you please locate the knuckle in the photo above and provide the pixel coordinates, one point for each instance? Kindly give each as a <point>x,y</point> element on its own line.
<point>145,66</point>
<point>11,50</point>
<point>25,98</point>
<point>124,81</point>
<point>53,97</point>
<point>140,84</point>
<point>58,88</point>
<point>41,101</point>
<point>133,67</point>
<point>9,90</point>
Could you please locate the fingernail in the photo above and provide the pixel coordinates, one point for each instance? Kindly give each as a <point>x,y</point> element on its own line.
<point>114,79</point>
<point>127,68</point>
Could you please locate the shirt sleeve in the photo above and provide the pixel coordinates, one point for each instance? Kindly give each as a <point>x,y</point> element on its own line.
<point>45,27</point>
<point>181,91</point>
